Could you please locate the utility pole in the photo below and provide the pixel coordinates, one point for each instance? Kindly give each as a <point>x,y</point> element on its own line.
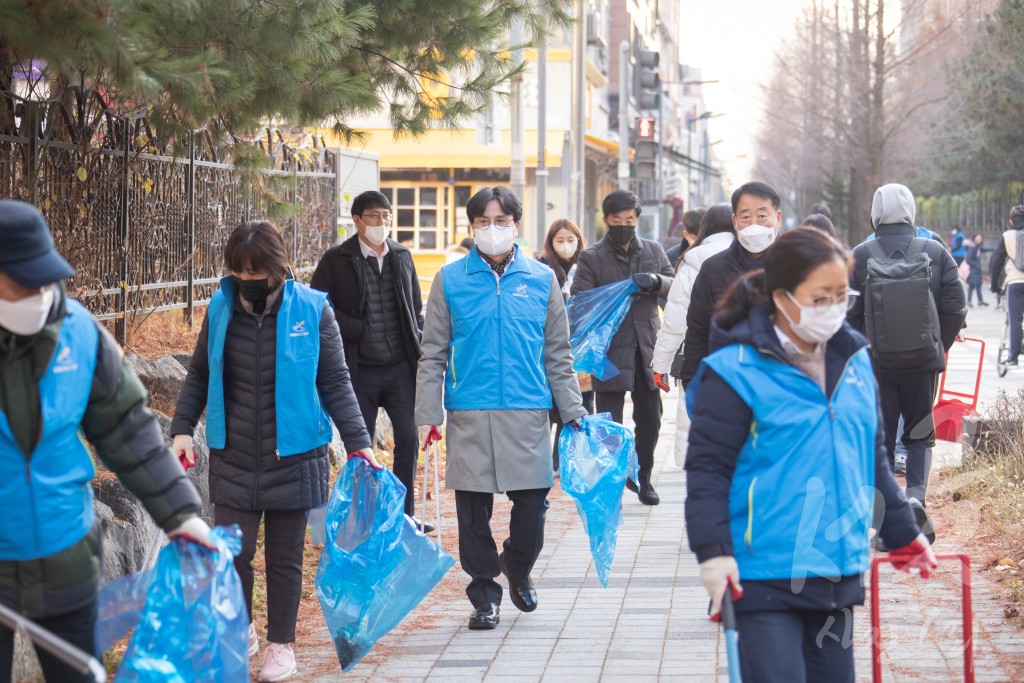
<point>624,115</point>
<point>580,124</point>
<point>517,174</point>
<point>542,141</point>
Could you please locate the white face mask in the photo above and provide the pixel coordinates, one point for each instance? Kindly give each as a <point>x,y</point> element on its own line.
<point>817,324</point>
<point>28,316</point>
<point>566,249</point>
<point>376,234</point>
<point>756,238</point>
<point>494,240</point>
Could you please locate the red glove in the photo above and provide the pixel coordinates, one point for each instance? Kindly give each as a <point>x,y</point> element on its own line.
<point>659,379</point>
<point>433,436</point>
<point>917,554</point>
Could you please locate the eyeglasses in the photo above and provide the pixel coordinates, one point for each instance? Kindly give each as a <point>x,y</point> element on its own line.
<point>823,300</point>
<point>383,217</point>
<point>482,223</point>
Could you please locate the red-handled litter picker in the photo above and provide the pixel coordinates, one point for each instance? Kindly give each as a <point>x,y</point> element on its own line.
<point>159,538</point>
<point>78,660</point>
<point>432,452</point>
<point>732,637</point>
<point>968,615</point>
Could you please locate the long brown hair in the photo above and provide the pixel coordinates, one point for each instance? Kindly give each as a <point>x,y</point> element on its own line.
<point>257,246</point>
<point>551,257</point>
<point>788,263</point>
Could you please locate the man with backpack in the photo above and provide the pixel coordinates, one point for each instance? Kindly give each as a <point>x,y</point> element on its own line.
<point>911,308</point>
<point>1008,271</point>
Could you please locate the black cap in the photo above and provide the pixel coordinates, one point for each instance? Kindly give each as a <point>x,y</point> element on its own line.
<point>1017,213</point>
<point>27,252</point>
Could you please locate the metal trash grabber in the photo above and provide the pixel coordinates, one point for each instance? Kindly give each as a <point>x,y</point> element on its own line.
<point>968,616</point>
<point>432,450</point>
<point>80,661</point>
<point>732,636</point>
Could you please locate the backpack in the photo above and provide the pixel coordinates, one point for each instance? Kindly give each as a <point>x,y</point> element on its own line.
<point>901,318</point>
<point>1018,255</point>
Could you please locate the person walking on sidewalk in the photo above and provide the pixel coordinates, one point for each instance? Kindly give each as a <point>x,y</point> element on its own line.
<point>786,455</point>
<point>757,220</point>
<point>562,249</point>
<point>270,371</point>
<point>63,382</point>
<point>914,282</point>
<point>371,281</point>
<point>972,257</point>
<point>1008,271</point>
<point>619,255</point>
<point>496,347</point>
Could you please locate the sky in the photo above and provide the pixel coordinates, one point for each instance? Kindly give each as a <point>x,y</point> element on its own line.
<point>733,42</point>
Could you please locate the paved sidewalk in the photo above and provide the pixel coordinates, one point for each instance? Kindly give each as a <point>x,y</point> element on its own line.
<point>650,624</point>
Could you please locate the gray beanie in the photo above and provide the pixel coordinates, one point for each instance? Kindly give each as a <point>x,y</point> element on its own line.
<point>893,203</point>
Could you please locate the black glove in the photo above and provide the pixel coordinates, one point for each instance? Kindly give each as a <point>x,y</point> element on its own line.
<point>647,282</point>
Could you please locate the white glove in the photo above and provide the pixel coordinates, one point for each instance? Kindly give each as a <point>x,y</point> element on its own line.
<point>194,529</point>
<point>182,445</point>
<point>715,574</point>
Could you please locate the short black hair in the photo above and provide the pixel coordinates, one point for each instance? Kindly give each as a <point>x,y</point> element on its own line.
<point>821,208</point>
<point>821,222</point>
<point>508,200</point>
<point>756,189</point>
<point>620,200</point>
<point>371,199</point>
<point>257,246</point>
<point>467,243</point>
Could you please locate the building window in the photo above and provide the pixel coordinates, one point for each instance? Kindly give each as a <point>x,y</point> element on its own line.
<point>418,215</point>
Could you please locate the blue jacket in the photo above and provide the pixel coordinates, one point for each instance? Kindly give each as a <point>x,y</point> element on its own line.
<point>302,422</point>
<point>48,497</point>
<point>781,474</point>
<point>497,335</point>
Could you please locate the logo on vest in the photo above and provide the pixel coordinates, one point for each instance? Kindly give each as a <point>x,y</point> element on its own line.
<point>65,363</point>
<point>520,290</point>
<point>299,329</point>
<point>852,378</point>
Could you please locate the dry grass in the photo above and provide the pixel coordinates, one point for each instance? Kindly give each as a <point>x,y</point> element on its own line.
<point>160,334</point>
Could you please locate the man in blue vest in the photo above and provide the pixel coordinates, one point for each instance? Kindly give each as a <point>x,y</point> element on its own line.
<point>62,378</point>
<point>496,346</point>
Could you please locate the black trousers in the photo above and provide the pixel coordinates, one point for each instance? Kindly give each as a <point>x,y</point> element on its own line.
<point>1015,309</point>
<point>646,414</point>
<point>796,647</point>
<point>284,536</point>
<point>393,388</point>
<point>75,627</point>
<point>910,395</point>
<point>478,554</point>
<point>556,419</point>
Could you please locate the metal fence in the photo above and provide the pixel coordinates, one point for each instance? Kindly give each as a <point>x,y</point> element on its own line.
<point>144,222</point>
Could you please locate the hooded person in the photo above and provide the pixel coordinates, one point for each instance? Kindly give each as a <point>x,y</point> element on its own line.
<point>1007,268</point>
<point>64,385</point>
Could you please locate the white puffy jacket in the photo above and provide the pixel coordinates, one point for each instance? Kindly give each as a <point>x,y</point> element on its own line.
<point>673,324</point>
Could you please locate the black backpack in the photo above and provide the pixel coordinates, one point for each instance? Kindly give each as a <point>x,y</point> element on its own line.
<point>900,315</point>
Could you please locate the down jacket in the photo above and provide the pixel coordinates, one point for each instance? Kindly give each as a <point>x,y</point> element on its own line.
<point>246,474</point>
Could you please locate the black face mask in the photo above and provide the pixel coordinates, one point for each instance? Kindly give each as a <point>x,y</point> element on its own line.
<point>253,290</point>
<point>621,234</point>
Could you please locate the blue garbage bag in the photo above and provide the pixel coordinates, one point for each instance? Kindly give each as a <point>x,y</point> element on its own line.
<point>594,318</point>
<point>188,613</point>
<point>376,566</point>
<point>593,464</point>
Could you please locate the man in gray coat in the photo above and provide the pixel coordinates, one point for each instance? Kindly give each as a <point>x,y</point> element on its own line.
<point>616,257</point>
<point>496,345</point>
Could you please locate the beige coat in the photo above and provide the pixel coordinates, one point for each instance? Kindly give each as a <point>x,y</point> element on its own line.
<point>496,450</point>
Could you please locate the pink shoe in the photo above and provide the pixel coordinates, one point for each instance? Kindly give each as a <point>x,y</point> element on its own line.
<point>254,640</point>
<point>278,663</point>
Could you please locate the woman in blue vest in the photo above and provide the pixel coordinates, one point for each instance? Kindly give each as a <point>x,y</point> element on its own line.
<point>786,456</point>
<point>270,371</point>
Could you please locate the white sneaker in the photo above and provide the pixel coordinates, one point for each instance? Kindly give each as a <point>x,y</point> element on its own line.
<point>254,640</point>
<point>278,663</point>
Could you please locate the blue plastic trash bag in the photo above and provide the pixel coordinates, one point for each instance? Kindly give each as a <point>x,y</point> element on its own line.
<point>594,318</point>
<point>592,467</point>
<point>375,567</point>
<point>193,624</point>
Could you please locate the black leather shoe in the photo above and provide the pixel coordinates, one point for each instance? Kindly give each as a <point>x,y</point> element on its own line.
<point>647,494</point>
<point>630,485</point>
<point>522,592</point>
<point>424,527</point>
<point>485,618</point>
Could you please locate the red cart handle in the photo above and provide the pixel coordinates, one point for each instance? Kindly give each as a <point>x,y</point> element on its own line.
<point>968,616</point>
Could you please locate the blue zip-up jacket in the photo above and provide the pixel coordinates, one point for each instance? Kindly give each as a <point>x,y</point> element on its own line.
<point>497,335</point>
<point>302,422</point>
<point>48,497</point>
<point>780,474</point>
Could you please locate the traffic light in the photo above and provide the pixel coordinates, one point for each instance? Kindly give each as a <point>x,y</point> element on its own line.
<point>645,149</point>
<point>646,81</point>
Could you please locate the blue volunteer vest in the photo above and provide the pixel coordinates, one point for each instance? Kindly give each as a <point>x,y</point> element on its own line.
<point>48,498</point>
<point>802,492</point>
<point>496,354</point>
<point>302,422</point>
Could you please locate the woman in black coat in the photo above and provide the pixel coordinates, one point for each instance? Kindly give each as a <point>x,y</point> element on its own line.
<point>269,370</point>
